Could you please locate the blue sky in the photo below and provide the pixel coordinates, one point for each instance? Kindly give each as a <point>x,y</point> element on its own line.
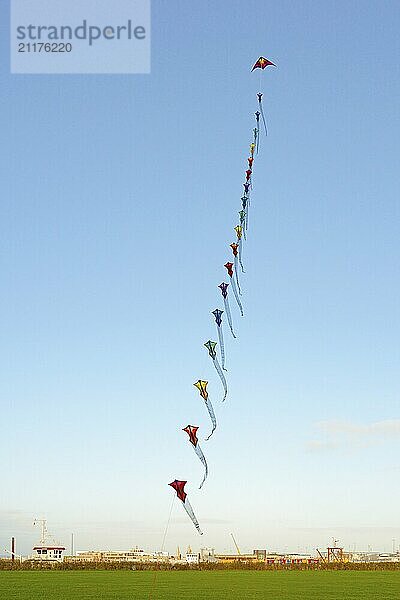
<point>119,198</point>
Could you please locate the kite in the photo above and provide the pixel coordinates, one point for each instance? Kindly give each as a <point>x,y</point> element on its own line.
<point>248,174</point>
<point>202,387</point>
<point>242,215</point>
<point>228,266</point>
<point>211,351</point>
<point>261,63</point>
<point>218,321</point>
<point>260,106</point>
<point>239,232</point>
<point>245,205</point>
<point>191,430</point>
<point>235,263</point>
<point>255,138</point>
<point>250,160</point>
<point>246,188</point>
<point>252,147</point>
<point>224,290</point>
<point>179,487</point>
<point>255,135</point>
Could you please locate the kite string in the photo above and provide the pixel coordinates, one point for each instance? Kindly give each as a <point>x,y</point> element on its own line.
<point>154,582</point>
<point>168,522</point>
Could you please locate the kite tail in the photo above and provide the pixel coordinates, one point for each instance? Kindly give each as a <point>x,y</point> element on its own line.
<point>221,376</point>
<point>201,456</point>
<point>229,316</point>
<point>263,118</point>
<point>243,224</point>
<point>258,138</point>
<point>237,296</point>
<point>240,255</point>
<point>221,345</point>
<point>187,506</point>
<point>235,264</point>
<point>255,136</point>
<point>212,417</point>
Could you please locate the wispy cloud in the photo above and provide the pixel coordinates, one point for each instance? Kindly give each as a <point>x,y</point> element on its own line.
<point>345,434</point>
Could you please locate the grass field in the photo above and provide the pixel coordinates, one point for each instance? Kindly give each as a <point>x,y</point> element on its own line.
<point>200,585</point>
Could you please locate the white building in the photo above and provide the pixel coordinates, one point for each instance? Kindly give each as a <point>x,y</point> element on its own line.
<point>363,557</point>
<point>192,558</point>
<point>133,555</point>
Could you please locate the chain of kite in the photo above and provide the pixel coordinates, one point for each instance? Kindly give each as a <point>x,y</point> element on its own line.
<point>234,281</point>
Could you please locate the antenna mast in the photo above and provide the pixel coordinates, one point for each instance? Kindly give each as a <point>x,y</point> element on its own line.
<point>43,534</point>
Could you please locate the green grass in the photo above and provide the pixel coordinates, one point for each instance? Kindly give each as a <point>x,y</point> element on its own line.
<point>200,585</point>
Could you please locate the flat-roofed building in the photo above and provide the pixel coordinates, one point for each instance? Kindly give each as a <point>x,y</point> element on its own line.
<point>133,555</point>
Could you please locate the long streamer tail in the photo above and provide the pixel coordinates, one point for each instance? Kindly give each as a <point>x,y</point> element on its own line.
<point>201,456</point>
<point>187,506</point>
<point>243,225</point>
<point>235,264</point>
<point>221,345</point>
<point>212,417</point>
<point>263,118</point>
<point>237,296</point>
<point>240,255</point>
<point>221,376</point>
<point>228,314</point>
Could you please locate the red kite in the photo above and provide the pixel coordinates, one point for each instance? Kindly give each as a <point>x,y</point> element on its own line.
<point>179,487</point>
<point>261,63</point>
<point>228,266</point>
<point>235,252</point>
<point>191,430</point>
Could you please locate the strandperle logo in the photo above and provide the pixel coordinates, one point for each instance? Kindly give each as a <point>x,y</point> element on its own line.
<point>83,31</point>
<point>80,36</point>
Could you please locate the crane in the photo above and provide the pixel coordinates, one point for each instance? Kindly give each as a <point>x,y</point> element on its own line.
<point>236,546</point>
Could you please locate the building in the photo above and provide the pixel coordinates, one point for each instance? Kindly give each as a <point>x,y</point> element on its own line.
<point>133,555</point>
<point>376,557</point>
<point>230,558</point>
<point>269,558</point>
<point>207,555</point>
<point>192,558</point>
<point>273,558</point>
